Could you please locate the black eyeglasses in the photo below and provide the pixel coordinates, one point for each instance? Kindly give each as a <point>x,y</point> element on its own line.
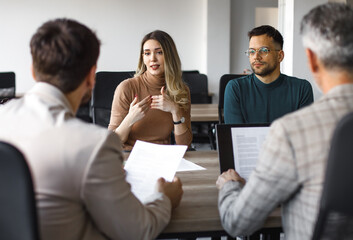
<point>263,51</point>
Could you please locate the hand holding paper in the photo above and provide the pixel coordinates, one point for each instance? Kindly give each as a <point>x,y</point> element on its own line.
<point>173,190</point>
<point>148,162</point>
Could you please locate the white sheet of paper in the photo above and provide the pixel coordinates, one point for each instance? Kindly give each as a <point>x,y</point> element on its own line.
<point>186,165</point>
<point>147,162</point>
<point>247,143</point>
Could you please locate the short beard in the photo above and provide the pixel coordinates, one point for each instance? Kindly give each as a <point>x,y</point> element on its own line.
<point>264,72</point>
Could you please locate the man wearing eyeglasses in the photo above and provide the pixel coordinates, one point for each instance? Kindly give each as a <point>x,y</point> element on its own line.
<point>266,94</point>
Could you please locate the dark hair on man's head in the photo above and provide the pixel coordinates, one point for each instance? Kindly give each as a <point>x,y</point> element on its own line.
<point>63,52</point>
<point>269,31</point>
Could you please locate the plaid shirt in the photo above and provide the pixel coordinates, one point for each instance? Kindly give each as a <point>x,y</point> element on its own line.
<point>290,170</point>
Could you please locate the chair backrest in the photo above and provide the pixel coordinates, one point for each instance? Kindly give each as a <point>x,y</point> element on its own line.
<point>335,219</point>
<point>18,215</point>
<point>103,93</point>
<point>7,85</point>
<point>190,71</point>
<point>222,87</point>
<point>84,112</point>
<point>198,85</point>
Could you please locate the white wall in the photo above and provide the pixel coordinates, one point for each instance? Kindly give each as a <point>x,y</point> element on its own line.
<point>300,65</point>
<point>211,35</point>
<point>266,15</point>
<point>286,27</point>
<point>291,13</point>
<point>218,43</point>
<point>242,21</point>
<point>120,24</point>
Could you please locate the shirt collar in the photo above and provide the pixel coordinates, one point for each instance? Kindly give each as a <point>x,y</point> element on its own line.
<point>342,90</point>
<point>52,94</point>
<point>273,84</point>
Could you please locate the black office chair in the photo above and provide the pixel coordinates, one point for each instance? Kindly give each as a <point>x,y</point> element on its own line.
<point>103,93</point>
<point>198,85</point>
<point>7,86</point>
<point>190,71</point>
<point>18,215</point>
<point>335,219</point>
<point>84,112</point>
<point>222,87</point>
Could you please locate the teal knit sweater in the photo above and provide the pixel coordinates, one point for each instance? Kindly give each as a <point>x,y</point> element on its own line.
<point>248,100</point>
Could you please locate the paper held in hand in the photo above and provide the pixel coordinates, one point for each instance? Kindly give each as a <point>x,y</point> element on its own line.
<point>148,162</point>
<point>247,143</point>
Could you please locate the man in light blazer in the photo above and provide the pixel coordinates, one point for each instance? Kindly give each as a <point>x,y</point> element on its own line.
<point>77,167</point>
<point>291,167</point>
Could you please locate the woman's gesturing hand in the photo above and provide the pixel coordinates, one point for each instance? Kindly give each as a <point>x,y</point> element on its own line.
<point>138,110</point>
<point>163,102</point>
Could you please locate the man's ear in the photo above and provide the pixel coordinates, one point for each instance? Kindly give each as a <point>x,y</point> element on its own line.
<point>91,78</point>
<point>33,73</point>
<point>280,56</point>
<point>312,60</point>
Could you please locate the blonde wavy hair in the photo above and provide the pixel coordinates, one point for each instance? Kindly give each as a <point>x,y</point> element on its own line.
<point>176,89</point>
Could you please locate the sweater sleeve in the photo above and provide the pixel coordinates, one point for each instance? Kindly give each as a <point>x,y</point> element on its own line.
<point>120,105</point>
<point>232,106</point>
<point>307,95</point>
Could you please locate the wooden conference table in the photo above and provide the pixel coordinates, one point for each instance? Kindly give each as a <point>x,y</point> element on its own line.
<point>204,113</point>
<point>197,215</point>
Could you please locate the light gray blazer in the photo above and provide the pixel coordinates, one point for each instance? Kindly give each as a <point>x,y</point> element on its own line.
<point>78,175</point>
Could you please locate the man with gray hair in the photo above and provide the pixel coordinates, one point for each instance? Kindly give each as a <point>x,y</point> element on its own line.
<point>290,170</point>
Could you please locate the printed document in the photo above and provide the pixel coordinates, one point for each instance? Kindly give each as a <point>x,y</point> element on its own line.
<point>186,165</point>
<point>147,162</point>
<point>247,143</point>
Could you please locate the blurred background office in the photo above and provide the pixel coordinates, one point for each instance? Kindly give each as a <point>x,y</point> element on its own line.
<point>211,35</point>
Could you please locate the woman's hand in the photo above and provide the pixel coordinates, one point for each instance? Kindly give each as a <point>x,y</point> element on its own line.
<point>164,103</point>
<point>138,110</point>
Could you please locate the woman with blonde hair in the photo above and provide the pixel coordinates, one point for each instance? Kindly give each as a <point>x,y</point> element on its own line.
<point>156,102</point>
